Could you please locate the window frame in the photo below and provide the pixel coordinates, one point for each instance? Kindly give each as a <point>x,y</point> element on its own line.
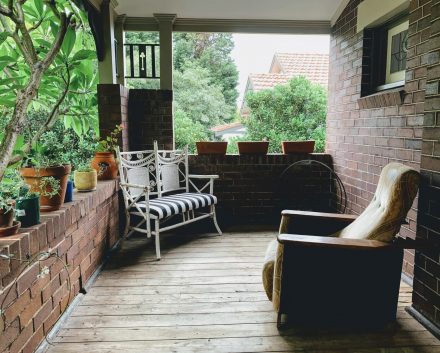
<point>376,64</point>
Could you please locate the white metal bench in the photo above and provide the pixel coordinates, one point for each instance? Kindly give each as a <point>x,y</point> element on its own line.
<point>156,188</point>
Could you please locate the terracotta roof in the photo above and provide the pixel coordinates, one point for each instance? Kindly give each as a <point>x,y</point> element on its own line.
<point>224,127</point>
<point>313,66</point>
<point>265,81</point>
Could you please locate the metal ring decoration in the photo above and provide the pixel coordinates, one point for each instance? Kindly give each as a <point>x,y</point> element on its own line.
<point>341,186</point>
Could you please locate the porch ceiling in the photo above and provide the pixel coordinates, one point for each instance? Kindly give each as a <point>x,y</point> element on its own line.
<point>281,10</point>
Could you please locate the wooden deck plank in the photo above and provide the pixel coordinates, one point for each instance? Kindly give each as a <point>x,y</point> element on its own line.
<point>206,295</point>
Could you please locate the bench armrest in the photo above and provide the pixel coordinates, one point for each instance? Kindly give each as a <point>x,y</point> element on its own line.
<point>331,242</point>
<point>136,186</point>
<point>197,176</point>
<point>313,223</point>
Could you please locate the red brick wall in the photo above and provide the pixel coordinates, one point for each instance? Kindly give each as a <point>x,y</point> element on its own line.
<point>426,294</point>
<point>365,134</point>
<point>251,189</point>
<point>80,233</point>
<point>150,114</point>
<point>113,110</point>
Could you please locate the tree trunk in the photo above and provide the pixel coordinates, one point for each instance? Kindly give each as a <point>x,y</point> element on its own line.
<point>15,125</point>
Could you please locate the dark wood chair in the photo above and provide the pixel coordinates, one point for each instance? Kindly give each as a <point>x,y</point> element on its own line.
<point>341,270</point>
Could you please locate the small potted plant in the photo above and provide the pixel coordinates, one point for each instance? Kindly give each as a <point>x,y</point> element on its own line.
<point>104,161</point>
<point>46,171</point>
<point>8,193</point>
<point>211,147</point>
<point>290,147</point>
<point>253,147</point>
<point>85,178</point>
<point>28,207</point>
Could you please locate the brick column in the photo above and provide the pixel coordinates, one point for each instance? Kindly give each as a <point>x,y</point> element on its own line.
<point>112,106</point>
<point>150,113</point>
<point>426,294</point>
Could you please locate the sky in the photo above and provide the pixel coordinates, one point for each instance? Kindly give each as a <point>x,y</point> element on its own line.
<point>253,53</point>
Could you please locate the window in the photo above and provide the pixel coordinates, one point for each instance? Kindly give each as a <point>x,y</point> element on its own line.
<point>385,52</point>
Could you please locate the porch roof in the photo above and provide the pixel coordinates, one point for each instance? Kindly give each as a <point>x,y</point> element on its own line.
<point>290,16</point>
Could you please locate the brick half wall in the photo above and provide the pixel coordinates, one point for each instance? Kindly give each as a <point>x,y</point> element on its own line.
<point>251,190</point>
<point>81,233</point>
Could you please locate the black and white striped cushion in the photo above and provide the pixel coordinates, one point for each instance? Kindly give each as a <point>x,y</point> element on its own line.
<point>176,204</point>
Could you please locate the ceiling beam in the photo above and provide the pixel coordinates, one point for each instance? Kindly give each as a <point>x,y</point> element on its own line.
<point>232,25</point>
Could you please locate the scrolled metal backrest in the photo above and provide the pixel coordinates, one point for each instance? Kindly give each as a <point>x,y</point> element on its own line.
<point>138,167</point>
<point>172,168</point>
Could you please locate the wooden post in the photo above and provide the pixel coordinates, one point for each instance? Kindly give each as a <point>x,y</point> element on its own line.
<point>166,49</point>
<point>107,67</point>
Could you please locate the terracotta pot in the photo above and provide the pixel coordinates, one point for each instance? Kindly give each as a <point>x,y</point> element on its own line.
<point>33,176</point>
<point>7,231</point>
<point>7,218</point>
<point>85,181</point>
<point>105,165</point>
<point>253,147</point>
<point>298,146</point>
<point>205,147</point>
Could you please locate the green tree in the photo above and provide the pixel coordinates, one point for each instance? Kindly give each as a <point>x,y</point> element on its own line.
<point>295,111</point>
<point>187,131</point>
<point>211,51</point>
<point>201,100</point>
<point>43,66</point>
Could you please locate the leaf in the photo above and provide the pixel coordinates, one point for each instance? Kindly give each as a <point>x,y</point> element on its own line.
<point>39,6</point>
<point>3,37</point>
<point>68,42</point>
<point>84,54</point>
<point>7,101</point>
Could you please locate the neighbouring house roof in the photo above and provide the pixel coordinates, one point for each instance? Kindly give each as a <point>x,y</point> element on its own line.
<point>313,66</point>
<point>286,66</point>
<point>258,82</point>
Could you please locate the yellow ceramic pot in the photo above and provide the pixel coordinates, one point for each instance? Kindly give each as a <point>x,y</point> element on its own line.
<point>85,181</point>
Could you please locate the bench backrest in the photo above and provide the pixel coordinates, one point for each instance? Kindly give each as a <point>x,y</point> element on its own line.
<point>138,167</point>
<point>172,170</point>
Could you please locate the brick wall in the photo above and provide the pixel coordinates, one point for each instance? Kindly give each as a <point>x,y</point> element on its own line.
<point>150,114</point>
<point>80,233</point>
<point>426,294</point>
<point>364,134</point>
<point>113,110</point>
<point>252,190</point>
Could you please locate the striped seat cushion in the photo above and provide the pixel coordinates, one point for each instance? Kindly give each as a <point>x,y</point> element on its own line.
<point>166,206</point>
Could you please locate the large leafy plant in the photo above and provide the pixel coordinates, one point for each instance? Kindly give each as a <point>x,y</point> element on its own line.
<point>46,64</point>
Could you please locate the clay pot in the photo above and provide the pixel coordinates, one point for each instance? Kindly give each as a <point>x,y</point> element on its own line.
<point>7,218</point>
<point>298,146</point>
<point>85,181</point>
<point>105,165</point>
<point>33,176</point>
<point>253,147</point>
<point>5,232</point>
<point>205,147</point>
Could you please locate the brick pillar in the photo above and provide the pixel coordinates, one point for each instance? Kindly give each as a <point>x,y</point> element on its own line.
<point>113,108</point>
<point>150,113</point>
<point>426,294</point>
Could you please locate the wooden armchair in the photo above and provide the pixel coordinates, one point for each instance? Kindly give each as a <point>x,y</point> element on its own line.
<point>341,270</point>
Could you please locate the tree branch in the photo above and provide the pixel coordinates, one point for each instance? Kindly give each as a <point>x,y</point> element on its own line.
<point>48,124</point>
<point>56,46</point>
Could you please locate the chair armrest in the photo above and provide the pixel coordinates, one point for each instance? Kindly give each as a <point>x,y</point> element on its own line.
<point>313,223</point>
<point>320,215</point>
<point>331,242</point>
<point>197,176</point>
<point>136,186</point>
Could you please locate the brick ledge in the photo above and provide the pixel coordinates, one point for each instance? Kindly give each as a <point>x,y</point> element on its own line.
<point>382,99</point>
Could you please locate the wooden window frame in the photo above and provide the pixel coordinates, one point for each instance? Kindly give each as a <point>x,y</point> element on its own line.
<point>375,61</point>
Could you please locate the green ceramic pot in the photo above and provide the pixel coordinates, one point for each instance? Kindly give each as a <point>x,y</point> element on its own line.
<point>28,211</point>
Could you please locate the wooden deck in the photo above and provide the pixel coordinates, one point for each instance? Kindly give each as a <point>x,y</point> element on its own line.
<point>205,295</point>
